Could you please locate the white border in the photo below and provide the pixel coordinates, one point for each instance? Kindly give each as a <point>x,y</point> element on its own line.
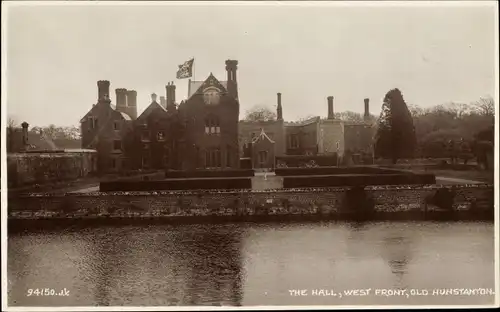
<point>6,5</point>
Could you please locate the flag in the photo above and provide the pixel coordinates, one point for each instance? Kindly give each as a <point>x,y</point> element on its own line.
<point>185,70</point>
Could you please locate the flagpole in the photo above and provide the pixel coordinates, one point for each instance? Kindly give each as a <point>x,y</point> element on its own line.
<point>194,70</point>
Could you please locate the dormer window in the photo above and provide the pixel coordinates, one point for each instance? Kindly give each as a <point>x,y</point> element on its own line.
<point>160,136</point>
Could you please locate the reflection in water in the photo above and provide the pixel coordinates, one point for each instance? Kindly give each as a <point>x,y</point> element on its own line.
<point>249,264</point>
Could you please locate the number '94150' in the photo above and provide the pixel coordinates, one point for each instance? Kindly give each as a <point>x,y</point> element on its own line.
<point>47,292</point>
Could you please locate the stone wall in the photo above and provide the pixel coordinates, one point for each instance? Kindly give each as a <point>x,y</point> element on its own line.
<point>331,132</point>
<point>473,199</point>
<point>40,168</point>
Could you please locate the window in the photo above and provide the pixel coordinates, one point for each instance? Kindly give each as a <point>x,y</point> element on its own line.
<point>145,135</point>
<point>117,145</point>
<point>294,141</point>
<point>113,163</point>
<point>228,157</point>
<point>145,162</point>
<point>92,122</point>
<point>116,125</point>
<point>95,123</point>
<point>165,160</point>
<point>212,125</point>
<point>213,158</point>
<point>160,136</point>
<point>262,157</point>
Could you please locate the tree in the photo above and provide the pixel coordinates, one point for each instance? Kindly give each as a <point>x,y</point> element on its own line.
<point>395,137</point>
<point>260,113</point>
<point>485,106</point>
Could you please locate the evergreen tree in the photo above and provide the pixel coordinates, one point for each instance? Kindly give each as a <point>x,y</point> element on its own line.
<point>395,137</point>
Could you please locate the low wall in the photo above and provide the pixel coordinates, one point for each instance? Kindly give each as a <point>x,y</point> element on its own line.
<point>42,168</point>
<point>465,202</point>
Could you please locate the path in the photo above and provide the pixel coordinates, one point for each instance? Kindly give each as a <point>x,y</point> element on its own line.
<point>446,180</point>
<point>266,181</point>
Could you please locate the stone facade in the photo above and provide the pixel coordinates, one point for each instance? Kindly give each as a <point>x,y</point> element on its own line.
<point>43,167</point>
<point>315,136</point>
<point>263,149</point>
<point>105,127</point>
<point>153,139</point>
<point>210,117</point>
<point>201,132</point>
<point>302,138</point>
<point>275,130</point>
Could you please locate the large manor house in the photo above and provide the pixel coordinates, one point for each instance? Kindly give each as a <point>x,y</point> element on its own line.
<point>204,130</point>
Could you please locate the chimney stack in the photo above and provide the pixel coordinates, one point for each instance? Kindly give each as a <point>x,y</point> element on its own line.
<point>121,99</point>
<point>172,92</point>
<point>367,108</point>
<point>279,110</point>
<point>163,101</point>
<point>25,126</point>
<point>331,114</point>
<point>132,104</point>
<point>170,96</point>
<point>232,84</point>
<point>153,97</point>
<point>103,90</point>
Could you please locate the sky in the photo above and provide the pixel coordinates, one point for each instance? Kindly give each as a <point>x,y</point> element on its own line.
<point>434,54</point>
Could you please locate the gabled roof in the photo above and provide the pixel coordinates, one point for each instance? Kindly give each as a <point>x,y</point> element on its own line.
<point>113,107</point>
<point>196,86</point>
<point>150,109</point>
<point>262,136</point>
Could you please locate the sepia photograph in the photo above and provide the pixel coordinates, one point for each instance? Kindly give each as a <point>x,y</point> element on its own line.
<point>168,155</point>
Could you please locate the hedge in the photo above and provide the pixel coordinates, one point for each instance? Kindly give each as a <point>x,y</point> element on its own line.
<point>358,180</point>
<point>185,174</point>
<point>177,184</point>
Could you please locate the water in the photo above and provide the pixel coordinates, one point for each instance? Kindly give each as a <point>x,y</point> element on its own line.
<point>250,264</point>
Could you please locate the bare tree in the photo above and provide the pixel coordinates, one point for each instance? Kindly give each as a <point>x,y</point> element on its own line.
<point>485,106</point>
<point>260,113</point>
<point>11,123</point>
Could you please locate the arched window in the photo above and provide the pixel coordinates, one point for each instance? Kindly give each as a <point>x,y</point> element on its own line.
<point>212,125</point>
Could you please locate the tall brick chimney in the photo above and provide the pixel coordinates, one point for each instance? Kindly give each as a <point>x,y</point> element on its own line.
<point>367,109</point>
<point>132,104</point>
<point>232,83</point>
<point>331,114</point>
<point>163,101</point>
<point>121,100</point>
<point>279,110</point>
<point>170,96</point>
<point>25,126</point>
<point>103,90</point>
